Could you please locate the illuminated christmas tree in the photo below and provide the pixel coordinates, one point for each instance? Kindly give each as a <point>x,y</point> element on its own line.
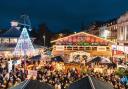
<point>24,45</point>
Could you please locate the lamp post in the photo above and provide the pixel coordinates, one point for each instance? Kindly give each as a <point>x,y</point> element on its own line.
<point>44,39</point>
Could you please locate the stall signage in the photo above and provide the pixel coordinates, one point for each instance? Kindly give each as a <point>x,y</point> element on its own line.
<point>114,47</point>
<point>121,48</point>
<point>60,48</point>
<point>100,48</point>
<point>126,49</point>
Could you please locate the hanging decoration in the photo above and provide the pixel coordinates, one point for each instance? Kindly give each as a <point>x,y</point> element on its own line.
<point>74,39</point>
<point>70,39</point>
<point>87,38</point>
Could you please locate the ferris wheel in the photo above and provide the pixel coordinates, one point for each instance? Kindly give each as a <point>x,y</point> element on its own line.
<point>24,21</point>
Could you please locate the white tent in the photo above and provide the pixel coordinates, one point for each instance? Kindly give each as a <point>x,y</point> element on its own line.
<point>100,60</point>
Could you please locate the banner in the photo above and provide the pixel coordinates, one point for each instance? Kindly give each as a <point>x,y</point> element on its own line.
<point>120,48</point>
<point>9,66</point>
<point>126,49</point>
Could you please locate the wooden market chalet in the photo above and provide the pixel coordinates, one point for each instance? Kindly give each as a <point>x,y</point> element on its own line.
<point>82,41</point>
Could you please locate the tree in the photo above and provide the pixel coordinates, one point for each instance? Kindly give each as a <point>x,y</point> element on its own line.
<point>2,30</point>
<point>43,31</point>
<point>33,32</point>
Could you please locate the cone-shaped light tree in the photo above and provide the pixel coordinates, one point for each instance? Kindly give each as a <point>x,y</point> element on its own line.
<point>24,46</point>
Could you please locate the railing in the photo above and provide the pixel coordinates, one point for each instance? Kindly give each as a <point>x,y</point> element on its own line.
<point>81,48</point>
<point>7,47</point>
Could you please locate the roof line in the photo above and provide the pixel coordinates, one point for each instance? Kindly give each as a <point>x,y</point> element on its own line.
<point>27,81</point>
<point>91,82</point>
<point>65,37</point>
<point>83,33</point>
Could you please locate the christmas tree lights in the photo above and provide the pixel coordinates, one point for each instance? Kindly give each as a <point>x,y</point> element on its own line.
<point>24,45</point>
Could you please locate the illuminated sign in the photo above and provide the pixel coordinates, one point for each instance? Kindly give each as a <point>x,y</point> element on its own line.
<point>59,47</point>
<point>120,48</point>
<point>100,48</point>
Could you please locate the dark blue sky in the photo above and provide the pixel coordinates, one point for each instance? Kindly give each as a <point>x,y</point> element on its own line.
<point>60,14</point>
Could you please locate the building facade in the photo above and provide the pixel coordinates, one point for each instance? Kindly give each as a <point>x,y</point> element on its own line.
<point>123,29</point>
<point>8,41</point>
<point>107,30</point>
<point>94,28</point>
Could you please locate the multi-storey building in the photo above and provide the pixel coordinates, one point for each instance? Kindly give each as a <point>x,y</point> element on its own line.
<point>109,30</point>
<point>115,30</point>
<point>106,29</point>
<point>94,28</point>
<point>122,32</point>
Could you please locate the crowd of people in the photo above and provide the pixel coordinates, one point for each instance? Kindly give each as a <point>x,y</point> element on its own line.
<point>61,80</point>
<point>58,79</point>
<point>8,79</point>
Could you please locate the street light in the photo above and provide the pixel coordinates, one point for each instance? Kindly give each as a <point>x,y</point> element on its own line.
<point>44,39</point>
<point>60,35</point>
<point>105,33</point>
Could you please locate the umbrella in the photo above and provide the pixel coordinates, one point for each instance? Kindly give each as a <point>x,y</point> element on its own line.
<point>90,83</point>
<point>97,59</point>
<point>105,60</point>
<point>57,59</point>
<point>32,84</point>
<point>36,58</point>
<point>101,60</point>
<point>124,80</point>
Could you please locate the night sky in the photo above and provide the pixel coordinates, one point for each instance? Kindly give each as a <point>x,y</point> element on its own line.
<point>61,14</point>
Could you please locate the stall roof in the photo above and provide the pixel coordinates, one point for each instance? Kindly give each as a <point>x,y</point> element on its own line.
<point>32,84</point>
<point>13,32</point>
<point>36,58</point>
<point>90,83</point>
<point>57,59</point>
<point>102,60</point>
<point>85,34</point>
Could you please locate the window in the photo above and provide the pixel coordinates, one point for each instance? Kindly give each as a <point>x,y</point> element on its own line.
<point>81,48</point>
<point>88,48</point>
<point>75,48</point>
<point>107,48</point>
<point>94,48</point>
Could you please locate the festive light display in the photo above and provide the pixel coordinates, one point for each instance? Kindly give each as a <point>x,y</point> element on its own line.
<point>24,46</point>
